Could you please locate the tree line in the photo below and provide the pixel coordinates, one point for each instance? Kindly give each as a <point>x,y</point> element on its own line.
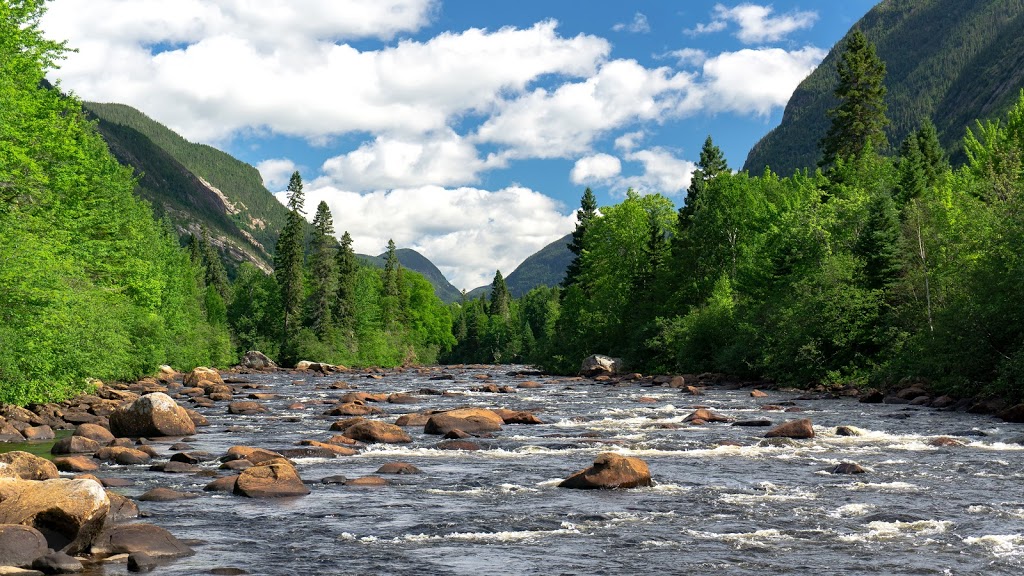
<point>884,264</point>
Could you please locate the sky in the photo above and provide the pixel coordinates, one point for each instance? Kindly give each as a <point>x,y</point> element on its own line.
<point>465,130</point>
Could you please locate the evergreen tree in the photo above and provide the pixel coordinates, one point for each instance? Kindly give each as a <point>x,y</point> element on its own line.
<point>288,268</point>
<point>347,267</point>
<point>500,297</point>
<point>391,301</point>
<point>712,163</point>
<point>587,211</point>
<point>912,174</point>
<point>322,271</point>
<point>859,120</point>
<point>933,157</point>
<point>215,274</point>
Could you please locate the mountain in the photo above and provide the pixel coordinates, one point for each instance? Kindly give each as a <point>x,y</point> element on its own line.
<point>195,185</point>
<point>948,60</point>
<point>417,262</point>
<point>545,267</point>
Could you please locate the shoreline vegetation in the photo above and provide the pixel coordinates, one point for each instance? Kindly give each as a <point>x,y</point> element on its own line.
<point>883,268</point>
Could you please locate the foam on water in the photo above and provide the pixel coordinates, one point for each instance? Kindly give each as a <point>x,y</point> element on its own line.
<point>883,486</point>
<point>999,544</point>
<point>508,536</point>
<point>852,510</point>
<point>880,530</point>
<point>757,539</point>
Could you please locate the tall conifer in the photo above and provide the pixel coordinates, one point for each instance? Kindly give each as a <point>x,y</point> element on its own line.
<point>322,270</point>
<point>587,211</point>
<point>860,117</point>
<point>288,267</point>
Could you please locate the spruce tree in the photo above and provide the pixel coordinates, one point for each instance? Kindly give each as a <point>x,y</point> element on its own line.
<point>712,163</point>
<point>322,271</point>
<point>587,211</point>
<point>860,117</point>
<point>347,266</point>
<point>391,302</point>
<point>215,274</point>
<point>933,157</point>
<point>500,298</point>
<point>288,267</point>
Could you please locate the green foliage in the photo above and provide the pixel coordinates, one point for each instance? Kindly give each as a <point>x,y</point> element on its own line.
<point>323,275</point>
<point>586,213</point>
<point>859,120</point>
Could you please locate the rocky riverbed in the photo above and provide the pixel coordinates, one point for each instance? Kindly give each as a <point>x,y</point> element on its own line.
<point>461,470</point>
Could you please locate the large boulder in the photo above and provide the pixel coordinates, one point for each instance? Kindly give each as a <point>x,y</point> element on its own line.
<point>471,420</point>
<point>600,365</point>
<point>94,432</point>
<point>254,455</point>
<point>20,545</point>
<point>609,471</point>
<point>517,416</point>
<point>256,360</point>
<point>202,374</point>
<point>275,479</point>
<point>26,466</point>
<point>69,513</point>
<point>372,431</point>
<point>793,429</point>
<point>155,414</point>
<point>129,538</point>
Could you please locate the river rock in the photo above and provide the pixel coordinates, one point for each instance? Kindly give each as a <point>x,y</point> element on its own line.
<point>155,414</point>
<point>270,481</point>
<point>129,538</point>
<point>223,484</point>
<point>398,468</point>
<point>124,456</point>
<point>793,429</point>
<point>706,415</point>
<point>872,397</point>
<point>471,420</point>
<point>75,464</point>
<point>254,455</point>
<point>415,419</point>
<point>94,432</point>
<point>517,416</point>
<point>945,442</point>
<point>609,471</point>
<point>69,513</point>
<point>753,423</point>
<point>26,466</point>
<point>353,409</point>
<point>256,360</point>
<point>332,449</point>
<point>20,545</point>
<point>363,397</point>
<point>848,431</point>
<point>1014,414</point>
<point>43,432</point>
<point>202,374</point>
<point>74,445</point>
<point>373,431</point>
<point>465,445</point>
<point>246,408</point>
<point>600,365</point>
<point>161,494</point>
<point>141,562</point>
<point>121,508</point>
<point>57,562</point>
<point>367,481</point>
<point>847,468</point>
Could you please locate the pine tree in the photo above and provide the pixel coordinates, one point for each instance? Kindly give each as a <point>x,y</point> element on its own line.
<point>587,211</point>
<point>289,265</point>
<point>391,302</point>
<point>322,271</point>
<point>712,163</point>
<point>860,117</point>
<point>500,298</point>
<point>933,157</point>
<point>215,274</point>
<point>912,176</point>
<point>347,266</point>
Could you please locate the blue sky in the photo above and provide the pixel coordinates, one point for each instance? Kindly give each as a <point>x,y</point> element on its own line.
<point>466,130</point>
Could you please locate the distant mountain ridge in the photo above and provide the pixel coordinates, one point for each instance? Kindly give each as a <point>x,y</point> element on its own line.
<point>545,267</point>
<point>948,60</point>
<point>419,263</point>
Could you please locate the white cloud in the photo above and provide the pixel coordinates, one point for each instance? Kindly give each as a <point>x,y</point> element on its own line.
<point>564,122</point>
<point>663,172</point>
<point>629,140</point>
<point>755,81</point>
<point>467,233</point>
<point>442,159</point>
<point>595,168</point>
<point>639,25</point>
<point>210,72</point>
<point>688,56</point>
<point>276,172</point>
<point>756,22</point>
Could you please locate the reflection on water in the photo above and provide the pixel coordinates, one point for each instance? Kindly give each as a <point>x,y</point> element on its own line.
<point>723,501</point>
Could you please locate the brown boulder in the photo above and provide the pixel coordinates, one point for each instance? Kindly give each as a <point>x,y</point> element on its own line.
<point>793,429</point>
<point>246,408</point>
<point>155,414</point>
<point>43,432</point>
<point>254,455</point>
<point>364,397</point>
<point>270,481</point>
<point>162,494</point>
<point>69,513</point>
<point>129,538</point>
<point>202,374</point>
<point>225,484</point>
<point>125,456</point>
<point>1014,414</point>
<point>334,449</point>
<point>20,545</point>
<point>373,431</point>
<point>94,432</point>
<point>609,471</point>
<point>517,416</point>
<point>74,445</point>
<point>342,425</point>
<point>398,468</point>
<point>75,464</point>
<point>367,481</point>
<point>415,419</point>
<point>26,466</point>
<point>464,445</point>
<point>705,415</point>
<point>598,365</point>
<point>353,409</point>
<point>758,394</point>
<point>847,468</point>
<point>471,420</point>
<point>121,508</point>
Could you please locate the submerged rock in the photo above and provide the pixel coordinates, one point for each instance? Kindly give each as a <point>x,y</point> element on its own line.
<point>847,468</point>
<point>147,538</point>
<point>20,545</point>
<point>610,471</point>
<point>793,429</point>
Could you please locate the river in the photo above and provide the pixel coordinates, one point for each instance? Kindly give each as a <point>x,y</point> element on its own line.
<point>725,501</point>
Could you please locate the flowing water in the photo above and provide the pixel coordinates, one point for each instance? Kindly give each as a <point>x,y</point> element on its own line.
<point>724,500</point>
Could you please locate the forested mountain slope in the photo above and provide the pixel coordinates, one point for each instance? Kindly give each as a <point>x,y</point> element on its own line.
<point>195,185</point>
<point>419,263</point>
<point>546,267</point>
<point>949,60</point>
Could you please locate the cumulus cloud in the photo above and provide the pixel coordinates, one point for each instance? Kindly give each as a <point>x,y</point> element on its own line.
<point>595,168</point>
<point>276,172</point>
<point>663,172</point>
<point>756,23</point>
<point>564,122</point>
<point>755,81</point>
<point>629,140</point>
<point>467,233</point>
<point>639,25</point>
<point>687,56</point>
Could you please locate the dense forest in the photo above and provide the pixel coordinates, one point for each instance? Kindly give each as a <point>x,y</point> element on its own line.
<point>93,286</point>
<point>871,270</point>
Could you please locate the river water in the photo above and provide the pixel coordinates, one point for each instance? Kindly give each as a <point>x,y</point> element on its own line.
<point>724,501</point>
